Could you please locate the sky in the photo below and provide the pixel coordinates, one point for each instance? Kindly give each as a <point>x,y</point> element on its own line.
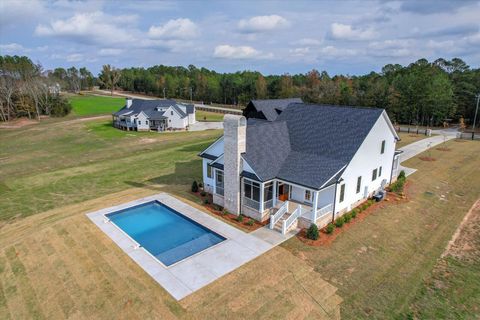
<point>341,37</point>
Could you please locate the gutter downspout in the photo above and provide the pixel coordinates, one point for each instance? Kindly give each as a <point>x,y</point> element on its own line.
<point>391,171</point>
<point>334,201</point>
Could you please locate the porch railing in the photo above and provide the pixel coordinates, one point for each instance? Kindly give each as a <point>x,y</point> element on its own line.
<point>274,218</point>
<point>287,223</point>
<point>325,210</point>
<point>251,203</point>
<point>268,204</point>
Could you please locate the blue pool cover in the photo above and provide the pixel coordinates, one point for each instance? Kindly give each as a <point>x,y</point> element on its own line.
<point>165,233</point>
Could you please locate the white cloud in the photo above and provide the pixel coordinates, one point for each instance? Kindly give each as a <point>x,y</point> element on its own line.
<point>342,31</point>
<point>226,51</point>
<point>334,52</point>
<point>15,12</point>
<point>262,23</point>
<point>174,29</point>
<point>94,28</point>
<point>391,48</point>
<point>13,48</point>
<point>300,52</point>
<point>105,52</point>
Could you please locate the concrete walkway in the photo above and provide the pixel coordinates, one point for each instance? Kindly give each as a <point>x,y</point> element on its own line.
<point>413,149</point>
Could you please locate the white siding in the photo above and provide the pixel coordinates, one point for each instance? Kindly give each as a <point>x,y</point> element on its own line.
<point>216,149</point>
<point>142,122</point>
<point>207,182</point>
<point>246,167</point>
<point>368,158</point>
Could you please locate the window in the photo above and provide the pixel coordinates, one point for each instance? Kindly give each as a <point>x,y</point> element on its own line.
<point>209,171</point>
<point>219,178</point>
<point>374,175</point>
<point>251,190</point>
<point>308,195</point>
<point>139,122</point>
<point>383,147</point>
<point>171,113</point>
<point>359,184</point>
<point>146,121</point>
<point>268,191</point>
<point>380,171</point>
<point>342,192</point>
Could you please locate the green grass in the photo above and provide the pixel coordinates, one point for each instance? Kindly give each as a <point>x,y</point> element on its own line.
<point>209,116</point>
<point>51,165</point>
<point>89,105</point>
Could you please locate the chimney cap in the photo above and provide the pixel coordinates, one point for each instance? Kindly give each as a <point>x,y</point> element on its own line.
<point>234,120</point>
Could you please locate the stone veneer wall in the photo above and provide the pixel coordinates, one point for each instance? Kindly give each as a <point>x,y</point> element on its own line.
<point>234,137</point>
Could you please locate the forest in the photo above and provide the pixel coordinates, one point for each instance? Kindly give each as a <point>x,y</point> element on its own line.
<point>423,92</point>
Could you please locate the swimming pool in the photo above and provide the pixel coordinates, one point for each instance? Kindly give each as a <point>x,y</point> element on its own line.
<point>165,233</point>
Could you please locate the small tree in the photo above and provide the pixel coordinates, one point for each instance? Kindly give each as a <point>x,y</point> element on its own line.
<point>312,232</point>
<point>194,186</point>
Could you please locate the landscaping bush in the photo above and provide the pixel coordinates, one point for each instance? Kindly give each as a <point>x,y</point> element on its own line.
<point>206,201</point>
<point>354,213</point>
<point>339,222</point>
<point>402,175</point>
<point>365,206</point>
<point>251,222</point>
<point>240,218</point>
<point>194,186</point>
<point>330,227</point>
<point>312,232</point>
<point>224,212</point>
<point>347,217</point>
<point>203,193</point>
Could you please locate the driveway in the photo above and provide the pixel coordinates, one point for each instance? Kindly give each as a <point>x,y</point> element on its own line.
<point>200,126</point>
<point>413,149</point>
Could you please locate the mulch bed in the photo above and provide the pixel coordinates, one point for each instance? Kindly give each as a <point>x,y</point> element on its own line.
<point>427,159</point>
<point>231,218</point>
<point>326,239</point>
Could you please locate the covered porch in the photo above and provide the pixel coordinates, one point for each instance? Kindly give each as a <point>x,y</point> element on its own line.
<point>261,200</point>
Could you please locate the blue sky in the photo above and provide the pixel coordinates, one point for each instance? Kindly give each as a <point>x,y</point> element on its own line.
<point>348,37</point>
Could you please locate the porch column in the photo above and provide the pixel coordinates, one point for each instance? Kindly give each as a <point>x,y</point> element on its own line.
<point>262,185</point>
<point>315,206</point>
<point>274,196</point>
<point>214,176</point>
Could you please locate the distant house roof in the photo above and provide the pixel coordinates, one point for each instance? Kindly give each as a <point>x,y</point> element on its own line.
<point>308,144</point>
<point>268,109</point>
<point>155,109</point>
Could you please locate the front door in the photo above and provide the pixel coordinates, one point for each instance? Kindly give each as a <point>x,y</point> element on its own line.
<point>283,192</point>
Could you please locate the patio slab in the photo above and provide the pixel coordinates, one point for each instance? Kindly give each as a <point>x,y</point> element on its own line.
<point>193,273</point>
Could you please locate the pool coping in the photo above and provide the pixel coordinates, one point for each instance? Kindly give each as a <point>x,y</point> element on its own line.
<point>196,271</point>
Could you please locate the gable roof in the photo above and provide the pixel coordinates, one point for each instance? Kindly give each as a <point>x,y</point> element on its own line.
<point>308,144</point>
<point>271,108</point>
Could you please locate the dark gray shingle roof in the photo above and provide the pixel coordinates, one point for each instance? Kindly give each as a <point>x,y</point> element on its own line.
<point>272,107</point>
<point>149,107</point>
<point>308,144</point>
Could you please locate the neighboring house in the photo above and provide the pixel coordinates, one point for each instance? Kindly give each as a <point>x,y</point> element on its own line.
<point>160,115</point>
<point>311,164</point>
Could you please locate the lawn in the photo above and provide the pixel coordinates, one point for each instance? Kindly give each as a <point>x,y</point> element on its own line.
<point>54,164</point>
<point>208,116</point>
<point>90,105</point>
<point>54,263</point>
<point>379,264</point>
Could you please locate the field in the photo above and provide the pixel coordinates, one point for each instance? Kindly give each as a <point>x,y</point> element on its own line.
<point>54,263</point>
<point>208,116</point>
<point>90,105</point>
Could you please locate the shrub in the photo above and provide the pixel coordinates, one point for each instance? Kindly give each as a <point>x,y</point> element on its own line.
<point>354,213</point>
<point>370,202</point>
<point>203,193</point>
<point>330,227</point>
<point>312,232</point>
<point>224,212</point>
<point>194,186</point>
<point>206,201</point>
<point>240,218</point>
<point>251,222</point>
<point>339,222</point>
<point>365,206</point>
<point>402,175</point>
<point>59,106</point>
<point>347,217</point>
<point>200,185</point>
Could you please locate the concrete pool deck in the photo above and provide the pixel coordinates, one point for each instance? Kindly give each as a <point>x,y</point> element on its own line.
<point>198,270</point>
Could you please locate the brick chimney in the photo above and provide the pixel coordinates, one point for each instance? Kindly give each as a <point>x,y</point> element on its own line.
<point>234,137</point>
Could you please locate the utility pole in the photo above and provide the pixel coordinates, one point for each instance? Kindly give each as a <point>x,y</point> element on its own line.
<point>191,94</point>
<point>475,117</point>
<point>164,93</point>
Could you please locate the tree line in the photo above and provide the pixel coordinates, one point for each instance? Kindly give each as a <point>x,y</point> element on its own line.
<point>423,92</point>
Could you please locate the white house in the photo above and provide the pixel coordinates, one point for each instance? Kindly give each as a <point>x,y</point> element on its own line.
<point>160,115</point>
<point>310,164</point>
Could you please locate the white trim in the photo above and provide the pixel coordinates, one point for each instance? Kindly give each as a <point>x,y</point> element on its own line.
<point>214,143</point>
<point>344,167</point>
<point>390,125</point>
<point>218,158</point>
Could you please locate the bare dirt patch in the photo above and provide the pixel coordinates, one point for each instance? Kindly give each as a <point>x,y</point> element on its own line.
<point>18,123</point>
